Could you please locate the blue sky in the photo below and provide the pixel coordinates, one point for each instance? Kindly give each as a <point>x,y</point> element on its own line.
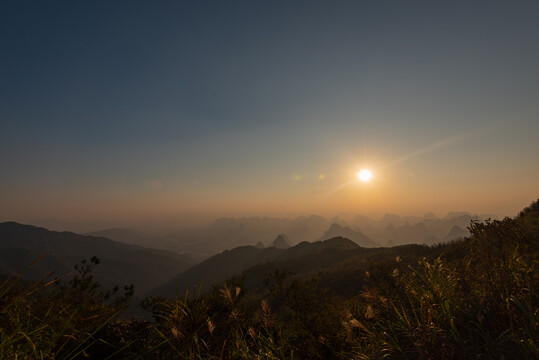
<point>134,109</point>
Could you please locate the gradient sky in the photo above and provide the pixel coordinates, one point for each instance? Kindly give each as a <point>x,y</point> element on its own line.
<point>128,110</point>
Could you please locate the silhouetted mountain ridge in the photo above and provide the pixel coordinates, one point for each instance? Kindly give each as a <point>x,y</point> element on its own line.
<point>126,236</point>
<point>281,242</point>
<point>337,230</point>
<point>120,263</point>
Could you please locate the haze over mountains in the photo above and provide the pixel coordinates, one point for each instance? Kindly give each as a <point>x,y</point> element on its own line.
<point>185,259</point>
<point>228,233</point>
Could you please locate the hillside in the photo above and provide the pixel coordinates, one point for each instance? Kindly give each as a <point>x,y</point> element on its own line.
<point>215,270</point>
<point>335,262</point>
<point>120,264</point>
<point>218,268</point>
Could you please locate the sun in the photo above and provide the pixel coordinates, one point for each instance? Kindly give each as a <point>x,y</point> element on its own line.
<point>364,175</point>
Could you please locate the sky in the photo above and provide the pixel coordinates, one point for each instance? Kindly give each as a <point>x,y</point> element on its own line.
<point>132,110</point>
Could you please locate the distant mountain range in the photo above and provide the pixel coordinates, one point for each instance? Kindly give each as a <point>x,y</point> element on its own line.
<point>391,229</point>
<point>228,233</point>
<point>340,237</point>
<point>226,247</point>
<point>121,264</point>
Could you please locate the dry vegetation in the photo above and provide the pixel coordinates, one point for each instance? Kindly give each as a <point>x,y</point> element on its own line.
<point>476,300</point>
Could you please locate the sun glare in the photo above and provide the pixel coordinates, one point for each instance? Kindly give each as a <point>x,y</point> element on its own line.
<point>364,175</point>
